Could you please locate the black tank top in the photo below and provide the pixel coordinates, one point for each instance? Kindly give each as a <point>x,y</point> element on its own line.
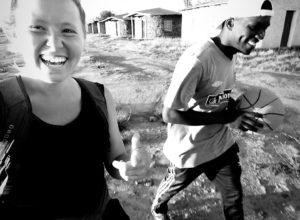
<point>61,167</point>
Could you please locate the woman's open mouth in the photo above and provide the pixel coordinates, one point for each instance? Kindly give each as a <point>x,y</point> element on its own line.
<point>53,60</point>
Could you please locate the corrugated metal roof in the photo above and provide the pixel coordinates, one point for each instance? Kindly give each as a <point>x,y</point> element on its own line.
<point>207,3</point>
<point>116,17</point>
<point>159,11</point>
<point>154,12</point>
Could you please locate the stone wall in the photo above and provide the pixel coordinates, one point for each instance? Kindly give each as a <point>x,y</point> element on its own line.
<point>155,26</point>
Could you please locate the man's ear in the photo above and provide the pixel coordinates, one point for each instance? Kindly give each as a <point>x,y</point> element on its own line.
<point>229,23</point>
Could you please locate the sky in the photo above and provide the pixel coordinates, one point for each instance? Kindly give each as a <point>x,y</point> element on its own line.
<point>94,7</point>
<point>4,9</point>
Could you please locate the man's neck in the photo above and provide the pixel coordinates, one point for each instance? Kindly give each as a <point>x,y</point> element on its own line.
<point>227,50</point>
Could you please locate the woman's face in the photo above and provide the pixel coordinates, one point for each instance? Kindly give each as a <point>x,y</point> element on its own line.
<point>50,37</point>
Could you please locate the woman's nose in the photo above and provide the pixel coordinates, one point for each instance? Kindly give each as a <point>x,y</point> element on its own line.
<point>54,41</point>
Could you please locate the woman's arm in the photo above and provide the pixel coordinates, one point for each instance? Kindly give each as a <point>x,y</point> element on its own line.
<point>119,164</point>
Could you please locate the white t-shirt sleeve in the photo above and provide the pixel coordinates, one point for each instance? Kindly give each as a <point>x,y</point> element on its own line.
<point>186,76</point>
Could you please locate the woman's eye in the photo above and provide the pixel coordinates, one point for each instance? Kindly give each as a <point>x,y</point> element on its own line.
<point>36,28</point>
<point>69,31</point>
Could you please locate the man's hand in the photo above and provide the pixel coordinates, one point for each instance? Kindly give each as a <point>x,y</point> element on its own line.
<point>139,162</point>
<point>244,120</point>
<point>251,121</point>
<point>232,111</point>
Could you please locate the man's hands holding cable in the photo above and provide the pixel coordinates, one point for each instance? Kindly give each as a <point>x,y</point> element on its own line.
<point>244,120</point>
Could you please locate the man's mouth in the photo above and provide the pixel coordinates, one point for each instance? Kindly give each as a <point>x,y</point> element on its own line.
<point>53,60</point>
<point>252,43</point>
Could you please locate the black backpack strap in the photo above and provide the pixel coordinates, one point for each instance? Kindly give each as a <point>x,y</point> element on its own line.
<point>14,118</point>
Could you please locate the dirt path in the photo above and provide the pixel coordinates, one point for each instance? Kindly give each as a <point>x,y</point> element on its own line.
<point>129,75</point>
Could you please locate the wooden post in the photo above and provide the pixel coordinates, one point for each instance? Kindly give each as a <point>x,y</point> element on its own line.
<point>98,26</point>
<point>132,28</point>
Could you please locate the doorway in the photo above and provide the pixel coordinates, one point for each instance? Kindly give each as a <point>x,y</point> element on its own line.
<point>286,34</point>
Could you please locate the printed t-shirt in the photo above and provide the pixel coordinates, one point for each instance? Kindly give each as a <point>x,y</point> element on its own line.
<point>203,77</point>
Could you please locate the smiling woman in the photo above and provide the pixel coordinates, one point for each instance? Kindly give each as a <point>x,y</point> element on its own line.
<point>53,163</point>
<point>56,35</point>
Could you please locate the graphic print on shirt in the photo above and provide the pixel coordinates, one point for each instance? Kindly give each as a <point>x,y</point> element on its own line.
<point>216,100</point>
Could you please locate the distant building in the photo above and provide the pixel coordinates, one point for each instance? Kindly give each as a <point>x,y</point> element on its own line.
<point>95,27</point>
<point>200,21</point>
<point>117,26</point>
<point>285,25</point>
<point>156,22</point>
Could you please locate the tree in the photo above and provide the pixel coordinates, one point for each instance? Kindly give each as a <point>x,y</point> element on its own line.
<point>187,3</point>
<point>105,14</point>
<point>192,3</point>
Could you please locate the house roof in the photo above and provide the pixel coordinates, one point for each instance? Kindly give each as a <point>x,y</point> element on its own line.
<point>120,17</point>
<point>154,12</point>
<point>207,3</point>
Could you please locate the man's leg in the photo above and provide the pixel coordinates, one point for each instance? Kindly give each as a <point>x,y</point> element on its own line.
<point>225,173</point>
<point>175,181</point>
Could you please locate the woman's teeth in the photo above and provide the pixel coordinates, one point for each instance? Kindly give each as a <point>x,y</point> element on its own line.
<point>53,60</point>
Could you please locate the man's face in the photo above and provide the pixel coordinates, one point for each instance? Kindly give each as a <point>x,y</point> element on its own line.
<point>247,32</point>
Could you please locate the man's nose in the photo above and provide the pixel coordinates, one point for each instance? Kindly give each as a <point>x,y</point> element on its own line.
<point>261,34</point>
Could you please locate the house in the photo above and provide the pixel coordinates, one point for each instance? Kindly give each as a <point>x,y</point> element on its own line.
<point>101,26</point>
<point>285,25</point>
<point>156,22</point>
<point>200,21</point>
<point>95,27</point>
<point>117,26</point>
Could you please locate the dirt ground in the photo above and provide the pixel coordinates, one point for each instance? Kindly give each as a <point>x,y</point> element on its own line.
<point>138,81</point>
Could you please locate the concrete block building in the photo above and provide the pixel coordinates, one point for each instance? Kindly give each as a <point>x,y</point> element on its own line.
<point>199,22</point>
<point>156,22</point>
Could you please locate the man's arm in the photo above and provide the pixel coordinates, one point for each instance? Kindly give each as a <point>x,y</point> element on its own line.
<point>194,118</point>
<point>244,120</point>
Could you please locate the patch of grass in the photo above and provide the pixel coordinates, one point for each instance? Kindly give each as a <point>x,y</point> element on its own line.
<point>123,117</point>
<point>170,48</point>
<point>273,60</point>
<point>287,160</point>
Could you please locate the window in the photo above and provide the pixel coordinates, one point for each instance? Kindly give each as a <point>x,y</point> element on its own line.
<point>168,25</point>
